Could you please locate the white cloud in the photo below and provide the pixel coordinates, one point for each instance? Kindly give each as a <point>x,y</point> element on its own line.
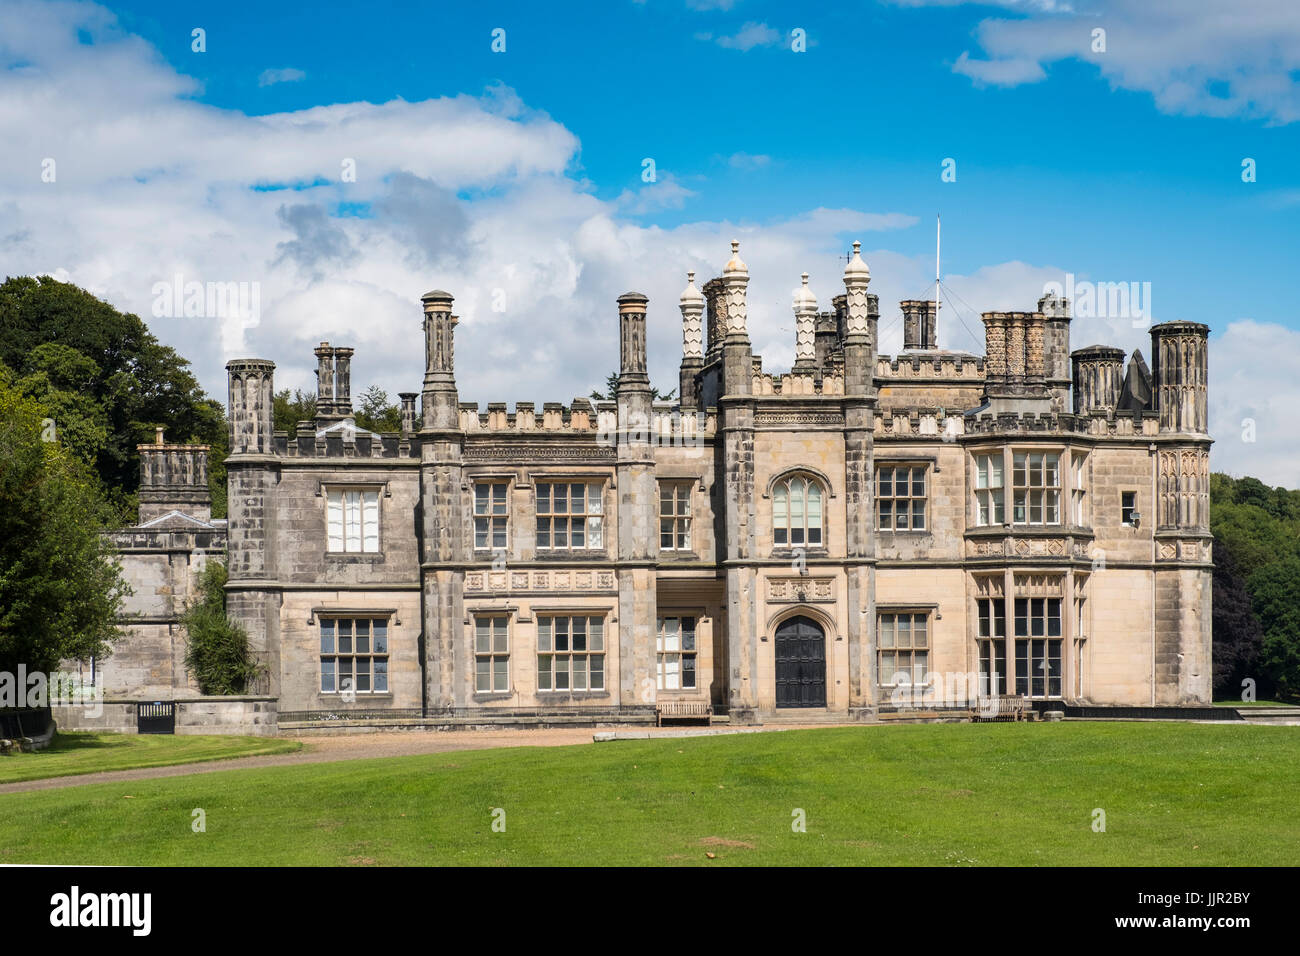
<point>152,183</point>
<point>1225,58</point>
<point>751,35</point>
<point>1255,374</point>
<point>748,160</point>
<point>1004,72</point>
<point>286,75</point>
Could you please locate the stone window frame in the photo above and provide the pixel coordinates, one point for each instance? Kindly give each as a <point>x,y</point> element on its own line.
<point>1078,490</point>
<point>1065,487</point>
<point>1126,512</point>
<point>911,463</point>
<point>491,655</point>
<point>380,488</point>
<point>811,476</point>
<point>1029,489</point>
<point>991,633</point>
<point>490,481</point>
<point>601,480</point>
<point>1050,641</point>
<point>930,613</point>
<point>681,653</point>
<point>996,504</point>
<point>372,655</point>
<point>679,517</point>
<point>591,614</point>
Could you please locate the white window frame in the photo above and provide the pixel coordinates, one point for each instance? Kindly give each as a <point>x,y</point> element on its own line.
<point>492,648</point>
<point>1126,519</point>
<point>1078,489</point>
<point>672,654</point>
<point>353,519</point>
<point>910,499</point>
<point>491,515</point>
<point>805,490</point>
<point>888,635</point>
<point>331,649</point>
<point>591,518</point>
<point>675,523</point>
<point>990,498</point>
<point>1034,493</point>
<point>554,660</point>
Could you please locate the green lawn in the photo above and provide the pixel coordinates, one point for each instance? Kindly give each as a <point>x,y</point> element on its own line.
<point>945,794</point>
<point>1252,703</point>
<point>74,753</point>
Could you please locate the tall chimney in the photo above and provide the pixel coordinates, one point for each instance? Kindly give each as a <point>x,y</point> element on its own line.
<point>920,324</point>
<point>692,306</point>
<point>805,327</point>
<point>441,411</point>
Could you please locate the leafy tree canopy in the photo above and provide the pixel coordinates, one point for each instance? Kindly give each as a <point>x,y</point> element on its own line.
<point>60,589</point>
<point>106,381</point>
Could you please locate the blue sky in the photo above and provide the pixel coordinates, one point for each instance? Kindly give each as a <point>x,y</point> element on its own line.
<point>522,170</point>
<point>1066,169</point>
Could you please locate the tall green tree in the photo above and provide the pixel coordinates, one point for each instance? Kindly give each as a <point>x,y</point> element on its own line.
<point>611,390</point>
<point>376,413</point>
<point>60,587</point>
<point>288,410</point>
<point>102,372</point>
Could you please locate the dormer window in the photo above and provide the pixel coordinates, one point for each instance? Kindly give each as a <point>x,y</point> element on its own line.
<point>797,513</point>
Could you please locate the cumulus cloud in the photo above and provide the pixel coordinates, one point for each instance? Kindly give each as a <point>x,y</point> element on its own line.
<point>1254,392</point>
<point>1224,58</point>
<point>749,36</point>
<point>286,74</point>
<point>344,214</point>
<point>749,160</point>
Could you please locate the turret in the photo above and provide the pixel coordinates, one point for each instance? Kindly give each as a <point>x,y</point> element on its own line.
<point>1180,373</point>
<point>1098,375</point>
<point>173,478</point>
<point>251,405</point>
<point>1056,348</point>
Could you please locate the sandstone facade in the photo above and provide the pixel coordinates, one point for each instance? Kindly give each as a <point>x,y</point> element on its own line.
<point>859,532</point>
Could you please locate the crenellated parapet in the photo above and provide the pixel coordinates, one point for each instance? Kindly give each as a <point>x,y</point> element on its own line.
<point>1120,424</point>
<point>953,367</point>
<point>798,383</point>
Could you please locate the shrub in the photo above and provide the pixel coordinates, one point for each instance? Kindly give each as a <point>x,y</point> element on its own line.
<point>217,652</point>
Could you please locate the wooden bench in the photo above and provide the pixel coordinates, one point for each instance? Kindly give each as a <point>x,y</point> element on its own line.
<point>1002,707</point>
<point>683,710</point>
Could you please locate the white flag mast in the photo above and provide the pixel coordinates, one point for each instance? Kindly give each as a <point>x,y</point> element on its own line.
<point>936,276</point>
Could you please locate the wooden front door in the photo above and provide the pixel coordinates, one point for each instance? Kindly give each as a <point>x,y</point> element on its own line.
<point>800,663</point>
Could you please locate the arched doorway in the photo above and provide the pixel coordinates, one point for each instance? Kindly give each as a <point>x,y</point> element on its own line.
<point>800,663</point>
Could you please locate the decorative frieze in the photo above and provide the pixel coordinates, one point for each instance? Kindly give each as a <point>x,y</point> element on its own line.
<point>535,580</point>
<point>800,590</point>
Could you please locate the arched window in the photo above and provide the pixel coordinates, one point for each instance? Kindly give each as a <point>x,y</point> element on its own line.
<point>797,512</point>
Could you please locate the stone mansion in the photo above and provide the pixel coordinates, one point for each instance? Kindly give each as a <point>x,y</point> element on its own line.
<point>1035,520</point>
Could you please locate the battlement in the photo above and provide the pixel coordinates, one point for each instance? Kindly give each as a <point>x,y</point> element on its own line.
<point>554,417</point>
<point>928,366</point>
<point>1098,423</point>
<point>798,383</point>
<point>666,424</point>
<point>342,440</point>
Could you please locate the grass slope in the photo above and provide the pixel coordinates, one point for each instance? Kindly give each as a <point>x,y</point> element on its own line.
<point>75,753</point>
<point>944,794</point>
